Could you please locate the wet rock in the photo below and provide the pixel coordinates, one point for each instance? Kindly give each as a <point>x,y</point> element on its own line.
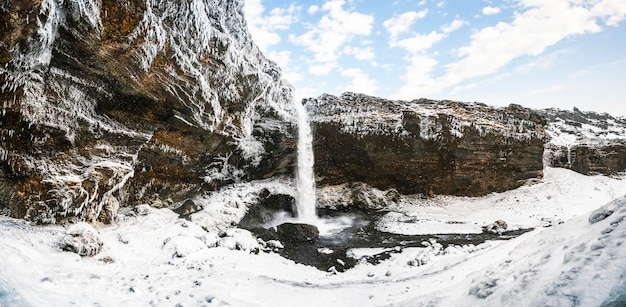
<point>188,208</point>
<point>82,239</point>
<point>297,232</point>
<point>266,209</point>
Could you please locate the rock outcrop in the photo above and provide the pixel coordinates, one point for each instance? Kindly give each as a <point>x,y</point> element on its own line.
<point>586,142</point>
<point>108,103</point>
<point>425,146</point>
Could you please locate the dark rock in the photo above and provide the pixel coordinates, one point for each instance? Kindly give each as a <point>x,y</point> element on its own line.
<point>590,159</point>
<point>297,232</point>
<point>424,146</point>
<point>266,209</point>
<point>595,143</point>
<point>95,104</point>
<point>187,208</point>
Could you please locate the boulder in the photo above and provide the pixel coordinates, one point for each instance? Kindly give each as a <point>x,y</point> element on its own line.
<point>187,208</point>
<point>297,232</point>
<point>266,209</point>
<point>83,239</point>
<point>497,227</point>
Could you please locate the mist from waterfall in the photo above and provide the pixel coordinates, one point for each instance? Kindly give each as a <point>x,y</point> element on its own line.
<point>305,199</point>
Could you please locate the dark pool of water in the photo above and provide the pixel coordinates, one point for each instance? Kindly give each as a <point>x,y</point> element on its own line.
<point>331,249</point>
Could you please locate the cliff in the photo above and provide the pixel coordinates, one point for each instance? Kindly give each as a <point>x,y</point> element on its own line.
<point>125,102</point>
<point>425,146</point>
<point>586,142</point>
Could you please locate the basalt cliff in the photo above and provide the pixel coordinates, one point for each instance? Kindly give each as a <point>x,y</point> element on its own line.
<point>109,103</point>
<point>425,146</point>
<point>586,142</point>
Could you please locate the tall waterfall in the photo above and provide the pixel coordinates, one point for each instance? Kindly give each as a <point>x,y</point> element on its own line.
<point>305,200</point>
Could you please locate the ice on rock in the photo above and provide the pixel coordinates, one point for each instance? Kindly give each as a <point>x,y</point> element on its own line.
<point>83,239</point>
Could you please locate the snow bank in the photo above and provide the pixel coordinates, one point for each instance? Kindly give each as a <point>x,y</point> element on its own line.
<point>160,259</point>
<point>561,195</point>
<point>578,263</point>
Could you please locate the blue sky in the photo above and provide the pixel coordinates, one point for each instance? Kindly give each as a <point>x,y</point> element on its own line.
<point>537,53</point>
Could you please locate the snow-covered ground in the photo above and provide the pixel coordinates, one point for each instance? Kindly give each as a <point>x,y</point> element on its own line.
<point>159,259</point>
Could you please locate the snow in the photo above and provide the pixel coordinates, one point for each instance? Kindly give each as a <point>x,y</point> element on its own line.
<point>156,258</point>
<point>547,202</point>
<point>361,115</point>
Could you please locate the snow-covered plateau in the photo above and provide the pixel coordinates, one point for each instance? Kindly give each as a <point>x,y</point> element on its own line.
<point>573,257</point>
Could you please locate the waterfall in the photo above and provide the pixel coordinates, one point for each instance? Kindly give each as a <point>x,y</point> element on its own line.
<point>305,199</point>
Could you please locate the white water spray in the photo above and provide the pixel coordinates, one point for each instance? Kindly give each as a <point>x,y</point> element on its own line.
<point>305,200</point>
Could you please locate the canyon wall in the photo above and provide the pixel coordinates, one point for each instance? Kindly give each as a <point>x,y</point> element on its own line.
<point>586,142</point>
<point>425,146</point>
<point>110,102</point>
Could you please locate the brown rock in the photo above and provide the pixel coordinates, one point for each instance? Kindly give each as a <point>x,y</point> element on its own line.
<point>423,146</point>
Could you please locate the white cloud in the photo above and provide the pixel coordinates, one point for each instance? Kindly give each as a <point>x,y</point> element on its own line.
<point>322,69</point>
<point>539,25</point>
<point>420,42</point>
<point>612,11</point>
<point>548,90</point>
<point>453,26</point>
<point>313,9</point>
<point>326,38</point>
<point>491,10</point>
<point>418,78</point>
<point>263,28</point>
<point>361,82</point>
<point>400,24</point>
<point>365,53</point>
<point>543,24</point>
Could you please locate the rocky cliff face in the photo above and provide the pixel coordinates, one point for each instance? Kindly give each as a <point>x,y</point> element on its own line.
<point>121,102</point>
<point>586,142</point>
<point>425,146</point>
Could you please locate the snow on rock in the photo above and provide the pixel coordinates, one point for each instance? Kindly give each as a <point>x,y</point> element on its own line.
<point>362,115</point>
<point>139,100</point>
<point>239,239</point>
<point>357,195</point>
<point>424,146</point>
<point>586,142</point>
<point>83,239</point>
<point>497,227</point>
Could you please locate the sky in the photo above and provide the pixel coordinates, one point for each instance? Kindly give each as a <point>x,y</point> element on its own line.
<point>537,53</point>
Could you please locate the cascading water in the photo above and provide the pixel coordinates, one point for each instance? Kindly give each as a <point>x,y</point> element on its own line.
<point>305,199</point>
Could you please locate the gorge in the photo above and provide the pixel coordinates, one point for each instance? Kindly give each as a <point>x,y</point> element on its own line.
<point>148,149</point>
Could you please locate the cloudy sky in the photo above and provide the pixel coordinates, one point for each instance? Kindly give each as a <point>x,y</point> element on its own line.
<point>537,53</point>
